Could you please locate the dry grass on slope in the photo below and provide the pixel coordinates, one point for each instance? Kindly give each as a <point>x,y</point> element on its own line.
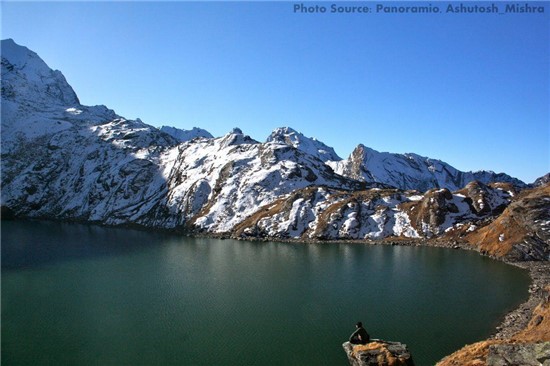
<point>476,354</point>
<point>538,329</point>
<point>471,355</point>
<point>519,223</point>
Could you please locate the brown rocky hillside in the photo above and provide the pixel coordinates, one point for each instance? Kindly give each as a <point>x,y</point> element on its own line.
<point>521,232</point>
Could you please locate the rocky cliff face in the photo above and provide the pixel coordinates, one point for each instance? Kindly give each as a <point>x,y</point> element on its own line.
<point>500,353</point>
<point>27,79</point>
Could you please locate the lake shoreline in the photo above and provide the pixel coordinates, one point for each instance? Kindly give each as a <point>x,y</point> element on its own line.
<point>513,322</point>
<point>519,318</point>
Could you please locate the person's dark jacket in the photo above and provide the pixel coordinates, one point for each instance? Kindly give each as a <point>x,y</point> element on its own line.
<point>360,336</point>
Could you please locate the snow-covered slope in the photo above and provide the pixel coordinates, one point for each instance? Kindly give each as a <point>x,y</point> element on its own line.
<point>411,171</point>
<point>324,213</point>
<point>215,184</point>
<point>312,146</point>
<point>63,160</point>
<point>186,135</point>
<point>28,84</point>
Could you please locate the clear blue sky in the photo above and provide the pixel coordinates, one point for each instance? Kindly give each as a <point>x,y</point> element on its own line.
<point>470,89</point>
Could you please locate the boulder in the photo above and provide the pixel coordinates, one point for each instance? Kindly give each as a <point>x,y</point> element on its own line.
<point>378,353</point>
<point>528,354</point>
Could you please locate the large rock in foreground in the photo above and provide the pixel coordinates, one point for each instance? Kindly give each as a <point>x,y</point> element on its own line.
<point>378,353</point>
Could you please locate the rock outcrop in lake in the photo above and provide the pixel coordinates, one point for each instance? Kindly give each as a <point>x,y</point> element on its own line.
<point>378,353</point>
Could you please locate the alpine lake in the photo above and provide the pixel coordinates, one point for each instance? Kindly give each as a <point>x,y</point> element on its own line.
<point>76,294</point>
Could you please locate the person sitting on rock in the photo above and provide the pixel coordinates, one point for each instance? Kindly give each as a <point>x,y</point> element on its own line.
<point>360,336</point>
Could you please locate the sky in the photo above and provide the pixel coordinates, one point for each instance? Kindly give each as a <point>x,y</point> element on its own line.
<point>472,90</point>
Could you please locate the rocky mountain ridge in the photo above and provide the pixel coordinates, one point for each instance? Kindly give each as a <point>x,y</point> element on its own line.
<point>186,135</point>
<point>63,160</point>
<point>411,171</point>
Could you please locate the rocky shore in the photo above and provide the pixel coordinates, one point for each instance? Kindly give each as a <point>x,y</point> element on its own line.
<point>539,292</point>
<point>523,338</point>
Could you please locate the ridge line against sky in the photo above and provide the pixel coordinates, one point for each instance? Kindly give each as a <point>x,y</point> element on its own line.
<point>472,90</point>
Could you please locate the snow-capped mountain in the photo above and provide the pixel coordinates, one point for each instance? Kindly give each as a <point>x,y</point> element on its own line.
<point>404,171</point>
<point>69,161</point>
<point>38,104</point>
<point>186,135</point>
<point>312,146</point>
<point>215,184</point>
<point>411,171</point>
<point>29,79</point>
<point>63,160</point>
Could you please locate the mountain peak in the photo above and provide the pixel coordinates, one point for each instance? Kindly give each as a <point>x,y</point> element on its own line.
<point>21,58</point>
<point>236,137</point>
<point>541,181</point>
<point>186,135</point>
<point>15,53</point>
<point>10,42</point>
<point>27,76</point>
<point>411,171</point>
<point>284,131</point>
<point>312,146</point>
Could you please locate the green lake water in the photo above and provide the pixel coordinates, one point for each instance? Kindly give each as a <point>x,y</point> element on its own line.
<point>85,295</point>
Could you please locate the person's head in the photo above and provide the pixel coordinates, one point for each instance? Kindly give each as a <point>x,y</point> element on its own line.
<point>359,325</point>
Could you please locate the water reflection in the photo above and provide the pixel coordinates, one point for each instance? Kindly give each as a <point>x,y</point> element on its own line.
<point>38,243</point>
<point>79,294</point>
